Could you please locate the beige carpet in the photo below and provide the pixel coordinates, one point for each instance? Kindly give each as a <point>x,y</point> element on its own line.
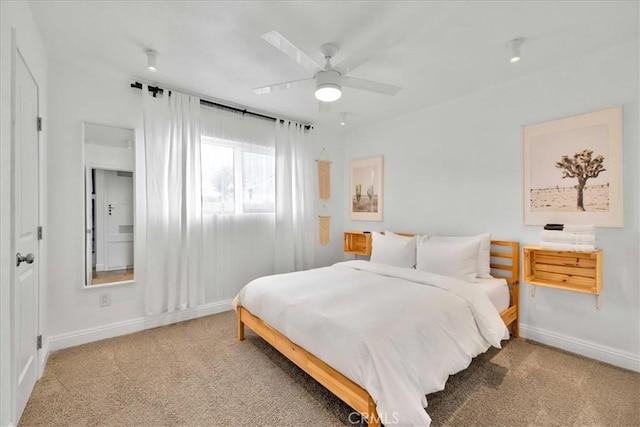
<point>196,374</point>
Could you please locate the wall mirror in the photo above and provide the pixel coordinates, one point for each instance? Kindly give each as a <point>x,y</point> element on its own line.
<point>109,204</point>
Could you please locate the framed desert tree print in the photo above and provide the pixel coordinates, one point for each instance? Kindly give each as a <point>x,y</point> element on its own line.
<point>366,189</point>
<point>573,170</point>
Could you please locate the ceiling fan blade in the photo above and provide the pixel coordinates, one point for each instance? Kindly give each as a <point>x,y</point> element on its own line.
<point>369,85</point>
<point>280,86</point>
<point>278,41</point>
<point>324,107</point>
<point>368,51</point>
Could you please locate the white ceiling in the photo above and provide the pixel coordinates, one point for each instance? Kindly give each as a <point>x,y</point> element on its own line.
<point>212,48</point>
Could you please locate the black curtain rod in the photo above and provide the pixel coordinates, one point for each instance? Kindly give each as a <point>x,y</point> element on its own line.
<point>158,90</point>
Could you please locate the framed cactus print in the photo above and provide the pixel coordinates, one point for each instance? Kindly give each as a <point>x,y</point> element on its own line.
<point>573,170</point>
<point>366,189</point>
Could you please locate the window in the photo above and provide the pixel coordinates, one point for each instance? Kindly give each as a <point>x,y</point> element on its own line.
<point>237,178</point>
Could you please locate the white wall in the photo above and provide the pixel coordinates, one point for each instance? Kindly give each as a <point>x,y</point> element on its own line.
<point>333,144</point>
<point>456,168</point>
<point>79,96</point>
<point>17,15</point>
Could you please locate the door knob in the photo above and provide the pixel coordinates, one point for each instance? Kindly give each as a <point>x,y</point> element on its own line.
<point>20,259</point>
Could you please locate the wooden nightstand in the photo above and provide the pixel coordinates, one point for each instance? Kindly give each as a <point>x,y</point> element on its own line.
<point>357,242</point>
<point>571,271</point>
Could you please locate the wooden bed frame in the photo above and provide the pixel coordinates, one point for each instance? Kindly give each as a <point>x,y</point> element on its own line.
<point>351,393</point>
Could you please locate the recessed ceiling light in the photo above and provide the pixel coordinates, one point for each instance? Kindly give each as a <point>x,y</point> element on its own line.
<point>151,60</point>
<point>514,49</point>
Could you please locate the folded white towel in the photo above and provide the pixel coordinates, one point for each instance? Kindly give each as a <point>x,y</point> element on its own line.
<point>567,247</point>
<point>577,228</point>
<point>564,237</point>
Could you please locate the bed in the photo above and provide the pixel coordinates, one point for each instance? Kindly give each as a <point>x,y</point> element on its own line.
<point>309,316</point>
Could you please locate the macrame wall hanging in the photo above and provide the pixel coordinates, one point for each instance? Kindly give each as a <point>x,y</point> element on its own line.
<point>324,176</point>
<point>324,192</point>
<point>325,229</point>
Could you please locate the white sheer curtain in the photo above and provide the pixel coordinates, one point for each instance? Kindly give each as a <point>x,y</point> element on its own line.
<point>241,245</point>
<point>238,245</point>
<point>174,256</point>
<point>295,226</point>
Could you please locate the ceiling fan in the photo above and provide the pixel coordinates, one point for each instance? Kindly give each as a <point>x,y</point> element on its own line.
<point>329,79</point>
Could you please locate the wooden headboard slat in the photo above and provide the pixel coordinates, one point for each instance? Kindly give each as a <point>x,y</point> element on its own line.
<point>502,267</point>
<point>501,255</point>
<point>502,243</point>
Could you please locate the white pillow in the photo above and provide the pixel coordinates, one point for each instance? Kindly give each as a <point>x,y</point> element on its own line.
<point>455,259</point>
<point>484,251</point>
<point>392,234</point>
<point>393,250</point>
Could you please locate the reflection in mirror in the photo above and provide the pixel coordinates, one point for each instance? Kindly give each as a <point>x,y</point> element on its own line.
<point>109,204</point>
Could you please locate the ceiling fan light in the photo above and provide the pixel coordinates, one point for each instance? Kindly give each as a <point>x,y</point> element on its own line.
<point>328,92</point>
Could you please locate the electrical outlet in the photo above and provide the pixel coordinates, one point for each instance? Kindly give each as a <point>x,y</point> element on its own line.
<point>105,300</point>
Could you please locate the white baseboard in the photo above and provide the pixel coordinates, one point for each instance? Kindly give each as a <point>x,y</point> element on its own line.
<point>589,349</point>
<point>84,336</point>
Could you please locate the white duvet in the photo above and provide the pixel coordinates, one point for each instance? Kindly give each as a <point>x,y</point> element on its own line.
<point>397,332</point>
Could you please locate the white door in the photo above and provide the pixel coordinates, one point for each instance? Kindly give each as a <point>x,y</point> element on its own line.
<point>26,232</point>
<point>119,201</point>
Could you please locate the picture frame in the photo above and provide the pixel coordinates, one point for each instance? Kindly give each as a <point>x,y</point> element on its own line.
<point>367,201</point>
<point>572,170</point>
